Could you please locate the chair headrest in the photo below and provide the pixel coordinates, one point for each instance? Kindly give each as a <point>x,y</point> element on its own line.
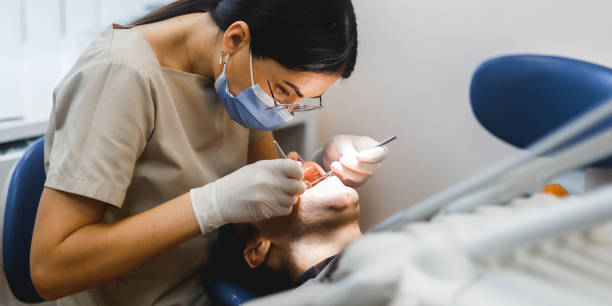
<point>522,98</point>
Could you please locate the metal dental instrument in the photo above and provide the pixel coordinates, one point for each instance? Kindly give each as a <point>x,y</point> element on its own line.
<point>330,172</point>
<point>384,142</point>
<point>326,175</point>
<point>279,150</point>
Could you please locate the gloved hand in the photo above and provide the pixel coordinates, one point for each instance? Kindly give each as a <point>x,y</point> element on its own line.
<point>265,189</point>
<point>352,158</point>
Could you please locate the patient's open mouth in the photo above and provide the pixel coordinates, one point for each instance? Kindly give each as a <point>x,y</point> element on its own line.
<point>312,170</point>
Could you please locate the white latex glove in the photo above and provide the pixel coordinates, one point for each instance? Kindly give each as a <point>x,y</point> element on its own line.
<point>352,158</point>
<point>265,189</point>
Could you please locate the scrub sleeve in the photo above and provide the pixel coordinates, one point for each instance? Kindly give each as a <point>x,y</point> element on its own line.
<point>99,138</point>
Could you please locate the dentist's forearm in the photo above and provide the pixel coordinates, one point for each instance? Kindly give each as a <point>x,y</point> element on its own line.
<point>97,253</point>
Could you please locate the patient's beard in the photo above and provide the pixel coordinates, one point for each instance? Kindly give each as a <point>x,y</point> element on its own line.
<point>310,249</point>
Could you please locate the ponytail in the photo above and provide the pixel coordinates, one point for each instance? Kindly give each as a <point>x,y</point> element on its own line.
<point>175,9</point>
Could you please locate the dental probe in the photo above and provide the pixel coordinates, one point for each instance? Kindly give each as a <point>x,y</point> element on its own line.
<point>279,150</point>
<point>384,142</point>
<point>330,172</point>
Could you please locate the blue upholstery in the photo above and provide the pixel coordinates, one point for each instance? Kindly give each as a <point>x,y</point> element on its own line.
<point>522,98</point>
<point>24,192</point>
<point>229,294</point>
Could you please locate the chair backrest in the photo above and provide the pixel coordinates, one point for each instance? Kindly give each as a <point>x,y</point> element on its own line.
<point>25,188</point>
<point>522,98</point>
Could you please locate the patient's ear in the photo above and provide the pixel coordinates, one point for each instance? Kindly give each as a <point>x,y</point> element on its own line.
<point>256,251</point>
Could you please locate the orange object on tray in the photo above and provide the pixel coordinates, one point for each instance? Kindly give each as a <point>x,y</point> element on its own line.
<point>556,190</point>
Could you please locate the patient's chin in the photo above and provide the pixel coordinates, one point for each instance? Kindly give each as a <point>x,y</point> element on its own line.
<point>331,194</point>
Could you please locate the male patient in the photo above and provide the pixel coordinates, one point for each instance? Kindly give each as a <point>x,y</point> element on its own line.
<point>280,253</point>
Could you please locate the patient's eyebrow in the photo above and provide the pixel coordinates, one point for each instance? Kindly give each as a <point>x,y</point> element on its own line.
<point>297,90</point>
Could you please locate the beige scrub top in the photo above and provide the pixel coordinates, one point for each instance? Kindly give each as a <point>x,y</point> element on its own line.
<point>133,134</point>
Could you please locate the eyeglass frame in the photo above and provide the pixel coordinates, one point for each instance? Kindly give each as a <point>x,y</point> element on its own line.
<point>289,107</point>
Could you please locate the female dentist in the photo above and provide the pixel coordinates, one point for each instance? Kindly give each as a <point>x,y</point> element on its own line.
<point>159,134</point>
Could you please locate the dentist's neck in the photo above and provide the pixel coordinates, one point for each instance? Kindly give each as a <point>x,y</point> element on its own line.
<point>204,41</point>
<point>190,43</point>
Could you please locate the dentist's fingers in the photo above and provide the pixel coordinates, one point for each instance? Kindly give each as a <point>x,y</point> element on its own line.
<point>291,169</point>
<point>348,176</point>
<point>359,166</point>
<point>355,157</point>
<point>373,155</point>
<point>294,187</point>
<point>287,202</point>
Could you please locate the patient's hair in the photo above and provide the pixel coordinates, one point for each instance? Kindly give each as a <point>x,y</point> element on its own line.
<point>227,263</point>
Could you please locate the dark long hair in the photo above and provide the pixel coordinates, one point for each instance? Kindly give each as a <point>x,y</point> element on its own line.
<point>302,35</point>
<point>227,263</point>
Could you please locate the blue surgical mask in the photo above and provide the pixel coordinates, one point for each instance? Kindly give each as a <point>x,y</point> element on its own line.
<point>251,107</point>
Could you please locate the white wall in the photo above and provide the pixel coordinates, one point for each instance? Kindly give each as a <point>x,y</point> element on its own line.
<point>415,63</point>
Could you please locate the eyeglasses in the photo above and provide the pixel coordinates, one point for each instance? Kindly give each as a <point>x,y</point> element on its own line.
<point>304,105</point>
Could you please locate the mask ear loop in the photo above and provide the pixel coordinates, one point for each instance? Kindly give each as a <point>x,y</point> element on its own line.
<point>223,61</point>
<point>251,66</point>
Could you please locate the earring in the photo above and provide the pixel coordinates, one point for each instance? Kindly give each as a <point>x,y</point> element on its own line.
<point>223,60</point>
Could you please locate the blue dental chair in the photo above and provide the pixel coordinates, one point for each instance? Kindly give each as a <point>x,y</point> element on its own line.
<point>25,187</point>
<point>522,98</point>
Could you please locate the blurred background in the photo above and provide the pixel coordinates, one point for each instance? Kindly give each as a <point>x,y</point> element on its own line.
<point>412,79</point>
<point>43,38</point>
<point>416,59</point>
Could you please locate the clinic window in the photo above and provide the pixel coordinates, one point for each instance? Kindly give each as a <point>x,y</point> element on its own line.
<point>45,37</point>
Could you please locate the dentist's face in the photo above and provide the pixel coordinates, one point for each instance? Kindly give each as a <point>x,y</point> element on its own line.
<point>288,86</point>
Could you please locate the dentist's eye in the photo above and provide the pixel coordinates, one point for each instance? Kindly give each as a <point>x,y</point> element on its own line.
<point>282,91</point>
